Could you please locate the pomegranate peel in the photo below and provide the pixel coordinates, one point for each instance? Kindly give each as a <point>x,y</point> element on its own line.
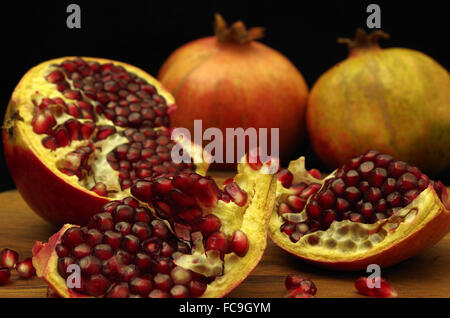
<point>348,244</point>
<point>221,272</point>
<point>60,157</point>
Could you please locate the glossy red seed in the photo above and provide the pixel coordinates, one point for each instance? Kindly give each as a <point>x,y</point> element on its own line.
<point>25,268</point>
<point>239,244</point>
<point>237,195</point>
<point>8,258</point>
<point>5,274</point>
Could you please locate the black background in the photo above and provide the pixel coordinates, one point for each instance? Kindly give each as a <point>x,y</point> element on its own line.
<point>144,33</point>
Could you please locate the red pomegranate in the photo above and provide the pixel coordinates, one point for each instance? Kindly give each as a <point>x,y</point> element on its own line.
<point>185,237</point>
<point>79,131</point>
<point>230,81</point>
<point>394,100</point>
<point>371,210</point>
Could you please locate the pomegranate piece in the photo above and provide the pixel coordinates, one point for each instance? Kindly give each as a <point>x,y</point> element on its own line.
<point>5,274</point>
<point>25,268</point>
<point>383,290</point>
<point>358,208</point>
<point>8,258</point>
<point>299,287</point>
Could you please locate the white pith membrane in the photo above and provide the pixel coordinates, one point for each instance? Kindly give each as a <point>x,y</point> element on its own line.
<point>34,87</point>
<point>251,218</point>
<point>346,241</point>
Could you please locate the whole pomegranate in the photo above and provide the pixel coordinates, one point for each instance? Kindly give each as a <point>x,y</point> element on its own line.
<point>394,100</point>
<point>230,81</point>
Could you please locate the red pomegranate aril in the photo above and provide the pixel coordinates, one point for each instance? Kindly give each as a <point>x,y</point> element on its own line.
<point>328,217</point>
<point>384,290</point>
<point>382,160</point>
<point>295,202</point>
<point>313,210</point>
<point>394,199</point>
<point>295,237</point>
<point>191,215</point>
<point>123,212</point>
<point>342,205</point>
<point>197,288</point>
<point>97,285</point>
<point>72,237</point>
<point>160,230</point>
<point>43,122</point>
<point>285,177</point>
<point>123,227</point>
<point>143,262</point>
<point>152,246</point>
<point>179,291</point>
<point>81,250</point>
<point>130,243</point>
<point>103,251</point>
<point>411,195</point>
<point>326,199</point>
<point>55,76</point>
<point>90,265</point>
<point>61,250</point>
<point>310,190</point>
<point>406,182</point>
<point>217,241</point>
<point>141,286</point>
<point>396,168</point>
<point>49,142</point>
<point>63,264</point>
<point>388,186</point>
<point>163,282</point>
<point>102,222</point>
<point>352,194</point>
<point>25,268</point>
<point>237,195</point>
<point>377,177</point>
<point>338,186</point>
<point>72,94</point>
<point>156,293</point>
<point>356,217</point>
<point>209,224</point>
<point>120,290</point>
<point>239,243</point>
<point>113,239</point>
<point>367,210</point>
<point>351,178</point>
<point>366,168</point>
<point>5,274</point>
<point>180,276</point>
<point>8,258</point>
<point>373,195</point>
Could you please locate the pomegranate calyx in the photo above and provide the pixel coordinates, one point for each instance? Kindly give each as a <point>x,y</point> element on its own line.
<point>236,33</point>
<point>363,41</point>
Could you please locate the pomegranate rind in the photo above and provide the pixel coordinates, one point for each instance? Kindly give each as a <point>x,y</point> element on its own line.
<point>53,195</point>
<point>350,246</point>
<point>252,219</point>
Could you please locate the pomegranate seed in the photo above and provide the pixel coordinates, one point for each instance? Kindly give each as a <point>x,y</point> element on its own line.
<point>90,265</point>
<point>285,177</point>
<point>396,168</point>
<point>209,224</point>
<point>141,286</point>
<point>163,282</point>
<point>43,122</point>
<point>97,285</point>
<point>217,241</point>
<point>383,291</point>
<point>105,131</point>
<point>197,288</point>
<point>8,258</point>
<point>25,269</point>
<point>5,274</point>
<point>55,76</point>
<point>73,237</point>
<point>180,276</point>
<point>179,291</point>
<point>156,293</point>
<point>300,284</point>
<point>236,193</point>
<point>61,250</point>
<point>239,243</point>
<point>406,182</point>
<point>351,178</point>
<point>81,250</point>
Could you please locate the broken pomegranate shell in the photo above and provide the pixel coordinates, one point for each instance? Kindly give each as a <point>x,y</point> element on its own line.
<point>160,246</point>
<point>78,132</point>
<point>372,210</point>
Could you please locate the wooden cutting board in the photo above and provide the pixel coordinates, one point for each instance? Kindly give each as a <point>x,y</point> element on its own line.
<point>427,275</point>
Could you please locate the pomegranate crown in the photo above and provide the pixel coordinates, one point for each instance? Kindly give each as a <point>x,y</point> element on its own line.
<point>236,33</point>
<point>364,40</point>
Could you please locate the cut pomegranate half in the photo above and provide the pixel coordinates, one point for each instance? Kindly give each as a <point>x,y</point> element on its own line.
<point>186,237</point>
<point>79,132</point>
<point>372,210</point>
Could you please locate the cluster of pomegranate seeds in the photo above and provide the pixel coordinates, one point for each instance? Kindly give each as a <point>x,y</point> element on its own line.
<point>299,287</point>
<point>368,188</point>
<point>125,252</point>
<point>106,91</point>
<point>384,290</point>
<point>147,155</point>
<point>9,259</point>
<point>181,200</point>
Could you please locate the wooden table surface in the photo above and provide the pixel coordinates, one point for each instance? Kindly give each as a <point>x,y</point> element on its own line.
<point>427,275</point>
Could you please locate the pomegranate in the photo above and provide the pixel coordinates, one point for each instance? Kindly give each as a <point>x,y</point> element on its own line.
<point>183,237</point>
<point>384,290</point>
<point>299,287</point>
<point>230,80</point>
<point>394,100</point>
<point>79,131</point>
<point>372,210</point>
